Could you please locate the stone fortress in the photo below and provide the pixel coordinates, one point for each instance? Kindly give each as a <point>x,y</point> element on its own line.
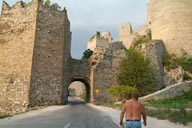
<point>36,67</point>
<point>170,26</point>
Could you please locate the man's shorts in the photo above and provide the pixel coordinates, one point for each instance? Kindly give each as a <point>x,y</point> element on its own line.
<point>133,124</point>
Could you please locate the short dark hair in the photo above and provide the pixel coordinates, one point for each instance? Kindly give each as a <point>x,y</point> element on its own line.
<point>135,95</point>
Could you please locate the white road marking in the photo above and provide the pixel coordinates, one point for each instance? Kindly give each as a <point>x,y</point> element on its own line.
<point>67,126</point>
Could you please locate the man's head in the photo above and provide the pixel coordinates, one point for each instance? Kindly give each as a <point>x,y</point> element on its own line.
<point>135,96</point>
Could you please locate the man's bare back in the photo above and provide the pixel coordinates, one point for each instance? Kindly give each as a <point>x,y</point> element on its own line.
<point>134,110</point>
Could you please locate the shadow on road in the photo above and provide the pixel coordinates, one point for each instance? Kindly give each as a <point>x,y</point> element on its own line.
<point>76,101</point>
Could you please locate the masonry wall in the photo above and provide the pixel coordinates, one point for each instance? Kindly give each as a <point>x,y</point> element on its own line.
<point>92,43</point>
<point>80,71</point>
<point>99,41</point>
<point>17,33</point>
<point>169,92</point>
<point>50,72</point>
<point>155,50</point>
<point>171,21</point>
<point>127,36</point>
<point>125,30</point>
<point>101,77</point>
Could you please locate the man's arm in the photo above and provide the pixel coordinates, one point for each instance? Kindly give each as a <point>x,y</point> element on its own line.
<point>122,115</point>
<point>144,115</point>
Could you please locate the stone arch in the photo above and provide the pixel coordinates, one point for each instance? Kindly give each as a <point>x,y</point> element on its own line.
<point>85,81</point>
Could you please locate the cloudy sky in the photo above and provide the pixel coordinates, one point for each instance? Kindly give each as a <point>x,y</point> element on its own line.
<point>89,16</point>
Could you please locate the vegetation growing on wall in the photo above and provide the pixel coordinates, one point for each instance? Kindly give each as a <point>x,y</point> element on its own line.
<point>172,62</point>
<point>54,6</point>
<point>141,40</point>
<point>87,54</point>
<point>136,71</point>
<point>120,92</point>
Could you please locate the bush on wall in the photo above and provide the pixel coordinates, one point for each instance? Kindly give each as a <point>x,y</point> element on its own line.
<point>120,92</point>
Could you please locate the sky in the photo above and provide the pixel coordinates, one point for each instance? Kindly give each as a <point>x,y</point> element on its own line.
<point>89,16</point>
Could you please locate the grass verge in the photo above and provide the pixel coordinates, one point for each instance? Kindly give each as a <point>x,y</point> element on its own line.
<point>178,109</point>
<point>3,115</point>
<point>178,116</point>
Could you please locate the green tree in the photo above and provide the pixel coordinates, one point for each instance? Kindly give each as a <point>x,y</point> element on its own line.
<point>87,54</point>
<point>135,70</point>
<point>47,4</point>
<point>55,6</point>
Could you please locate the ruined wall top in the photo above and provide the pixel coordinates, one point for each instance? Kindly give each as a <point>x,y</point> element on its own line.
<point>107,35</point>
<point>99,40</point>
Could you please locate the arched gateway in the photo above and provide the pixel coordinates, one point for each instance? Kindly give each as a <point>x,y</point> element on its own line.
<point>36,67</point>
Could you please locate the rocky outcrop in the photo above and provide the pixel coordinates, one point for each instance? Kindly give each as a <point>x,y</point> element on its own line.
<point>173,76</point>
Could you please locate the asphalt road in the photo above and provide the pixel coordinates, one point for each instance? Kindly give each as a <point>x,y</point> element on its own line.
<point>77,114</point>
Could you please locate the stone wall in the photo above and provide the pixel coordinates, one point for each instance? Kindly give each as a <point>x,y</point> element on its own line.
<point>101,78</point>
<point>125,30</point>
<point>127,36</point>
<point>104,68</point>
<point>51,57</point>
<point>169,92</point>
<point>117,57</point>
<point>116,45</point>
<point>34,56</point>
<point>99,41</point>
<point>155,50</point>
<point>171,21</point>
<point>17,34</point>
<point>79,69</point>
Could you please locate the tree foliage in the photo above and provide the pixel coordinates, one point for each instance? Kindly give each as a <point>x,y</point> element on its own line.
<point>135,70</point>
<point>87,54</point>
<point>54,6</point>
<point>120,92</point>
<point>47,4</point>
<point>172,62</point>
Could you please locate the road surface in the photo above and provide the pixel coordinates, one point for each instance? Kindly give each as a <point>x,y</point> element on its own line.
<point>77,114</point>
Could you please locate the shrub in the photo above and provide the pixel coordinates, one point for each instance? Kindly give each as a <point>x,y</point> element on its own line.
<point>136,70</point>
<point>172,62</point>
<point>54,6</point>
<point>120,92</point>
<point>141,40</point>
<point>186,63</point>
<point>87,54</point>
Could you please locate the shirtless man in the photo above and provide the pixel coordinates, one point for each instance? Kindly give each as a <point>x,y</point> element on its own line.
<point>134,110</point>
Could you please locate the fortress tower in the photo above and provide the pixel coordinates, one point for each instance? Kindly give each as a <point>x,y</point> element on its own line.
<point>34,56</point>
<point>171,21</point>
<point>125,30</point>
